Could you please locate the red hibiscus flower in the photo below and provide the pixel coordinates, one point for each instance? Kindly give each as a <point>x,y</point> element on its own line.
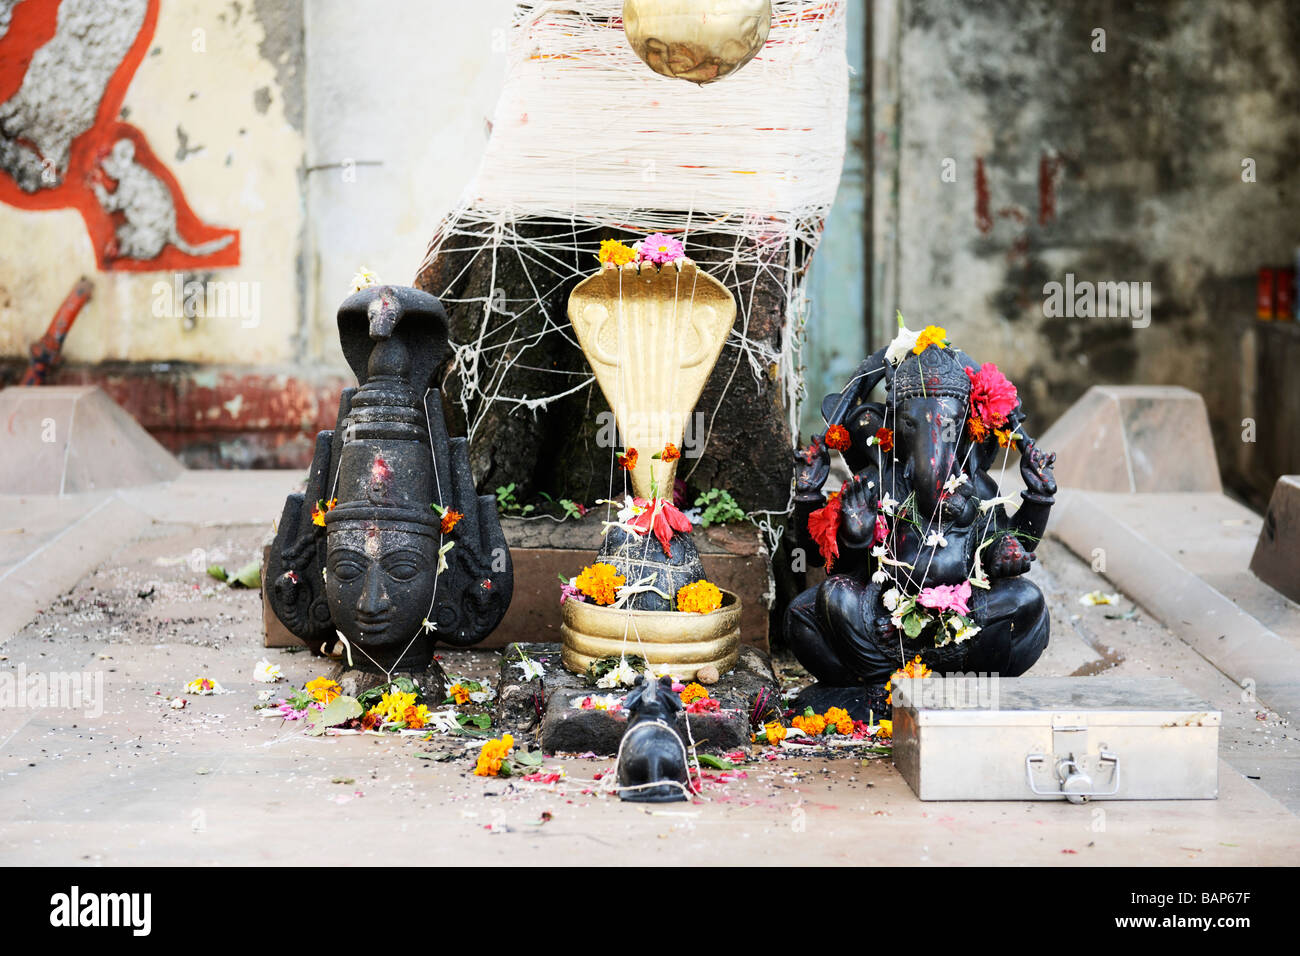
<point>824,527</point>
<point>660,516</point>
<point>992,396</point>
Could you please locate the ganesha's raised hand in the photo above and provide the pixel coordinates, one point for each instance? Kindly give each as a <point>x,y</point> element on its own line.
<point>811,466</point>
<point>1036,469</point>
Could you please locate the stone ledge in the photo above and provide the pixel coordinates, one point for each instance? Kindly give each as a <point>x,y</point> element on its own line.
<point>1139,535</point>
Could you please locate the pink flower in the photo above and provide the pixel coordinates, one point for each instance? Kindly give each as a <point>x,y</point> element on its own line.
<point>882,530</point>
<point>659,249</point>
<point>992,396</point>
<point>946,597</point>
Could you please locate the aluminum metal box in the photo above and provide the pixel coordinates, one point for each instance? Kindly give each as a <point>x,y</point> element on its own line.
<point>1053,738</point>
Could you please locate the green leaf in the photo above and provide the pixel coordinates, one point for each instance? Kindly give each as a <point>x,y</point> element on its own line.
<point>913,625</point>
<point>481,721</point>
<point>249,576</point>
<point>527,758</point>
<point>338,711</point>
<point>218,572</point>
<point>717,763</point>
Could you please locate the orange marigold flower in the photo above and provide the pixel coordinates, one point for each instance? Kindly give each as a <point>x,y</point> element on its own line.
<point>323,689</point>
<point>693,692</point>
<point>839,719</point>
<point>491,755</point>
<point>459,693</point>
<point>885,439</point>
<point>372,720</point>
<point>699,597</point>
<point>775,732</point>
<point>977,429</point>
<point>613,251</point>
<point>814,725</point>
<point>670,453</point>
<point>321,509</point>
<point>913,668</point>
<point>627,461</point>
<point>600,582</point>
<point>837,438</point>
<point>449,519</point>
<point>931,335</point>
<point>416,717</point>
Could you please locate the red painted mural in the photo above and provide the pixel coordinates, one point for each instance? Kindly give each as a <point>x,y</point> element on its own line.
<point>65,66</point>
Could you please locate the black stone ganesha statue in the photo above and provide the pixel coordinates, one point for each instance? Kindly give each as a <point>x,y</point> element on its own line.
<point>923,557</point>
<point>391,549</point>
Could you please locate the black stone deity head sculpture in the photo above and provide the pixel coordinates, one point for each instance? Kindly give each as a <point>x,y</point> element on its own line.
<point>391,548</point>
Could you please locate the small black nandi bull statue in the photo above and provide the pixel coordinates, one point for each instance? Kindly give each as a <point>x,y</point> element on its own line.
<point>652,757</point>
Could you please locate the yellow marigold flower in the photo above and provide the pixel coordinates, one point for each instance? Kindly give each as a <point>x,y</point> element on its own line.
<point>838,718</point>
<point>416,717</point>
<point>459,693</point>
<point>914,668</point>
<point>323,689</point>
<point>813,726</point>
<point>393,705</point>
<point>613,251</point>
<point>693,692</point>
<point>600,582</point>
<point>775,732</point>
<point>491,755</point>
<point>886,729</point>
<point>932,335</point>
<point>1005,436</point>
<point>700,597</point>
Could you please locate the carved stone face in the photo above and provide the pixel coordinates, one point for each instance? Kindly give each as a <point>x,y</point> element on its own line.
<point>928,433</point>
<point>379,580</point>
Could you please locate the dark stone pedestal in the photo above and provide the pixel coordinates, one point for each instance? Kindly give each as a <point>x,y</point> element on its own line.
<point>861,703</point>
<point>432,681</point>
<point>565,728</point>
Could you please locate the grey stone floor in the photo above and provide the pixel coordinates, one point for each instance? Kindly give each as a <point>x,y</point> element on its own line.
<point>216,784</point>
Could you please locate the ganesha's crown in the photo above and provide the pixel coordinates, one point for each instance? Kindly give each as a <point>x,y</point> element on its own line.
<point>936,372</point>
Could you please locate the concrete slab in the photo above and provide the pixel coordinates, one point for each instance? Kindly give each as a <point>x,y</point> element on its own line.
<point>1135,438</point>
<point>1155,545</point>
<point>214,783</point>
<point>72,439</point>
<point>1276,560</point>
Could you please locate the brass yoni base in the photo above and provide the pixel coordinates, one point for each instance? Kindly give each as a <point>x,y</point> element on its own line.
<point>684,641</point>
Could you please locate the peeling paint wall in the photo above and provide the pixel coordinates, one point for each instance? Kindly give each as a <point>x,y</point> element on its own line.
<point>220,169</point>
<point>1117,165</point>
<point>193,180</point>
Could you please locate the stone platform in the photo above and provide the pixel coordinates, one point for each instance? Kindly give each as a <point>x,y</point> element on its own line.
<point>547,707</point>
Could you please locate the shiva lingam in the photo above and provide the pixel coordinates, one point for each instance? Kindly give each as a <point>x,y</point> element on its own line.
<point>390,549</point>
<point>923,557</point>
<point>652,325</point>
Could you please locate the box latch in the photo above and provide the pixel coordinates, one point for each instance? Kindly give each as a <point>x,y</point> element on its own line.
<point>1073,767</point>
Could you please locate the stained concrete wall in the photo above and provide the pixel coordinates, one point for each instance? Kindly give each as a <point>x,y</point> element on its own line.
<point>303,139</point>
<point>211,101</point>
<point>1117,165</point>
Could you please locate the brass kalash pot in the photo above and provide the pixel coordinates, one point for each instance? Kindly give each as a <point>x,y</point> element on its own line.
<point>652,335</point>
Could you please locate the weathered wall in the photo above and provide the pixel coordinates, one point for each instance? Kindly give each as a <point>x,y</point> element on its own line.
<point>206,184</point>
<point>1116,165</point>
<point>275,146</point>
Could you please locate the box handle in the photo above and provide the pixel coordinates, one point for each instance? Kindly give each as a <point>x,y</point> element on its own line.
<point>1076,785</point>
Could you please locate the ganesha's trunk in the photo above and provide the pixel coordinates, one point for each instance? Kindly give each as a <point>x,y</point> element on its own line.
<point>931,462</point>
